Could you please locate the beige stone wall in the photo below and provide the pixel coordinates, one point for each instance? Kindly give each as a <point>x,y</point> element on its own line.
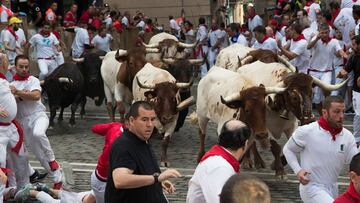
<point>163,8</point>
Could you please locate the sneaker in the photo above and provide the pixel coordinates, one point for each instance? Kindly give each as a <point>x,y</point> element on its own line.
<point>23,194</point>
<point>37,177</point>
<point>41,187</point>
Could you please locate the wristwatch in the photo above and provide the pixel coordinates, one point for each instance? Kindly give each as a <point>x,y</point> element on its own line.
<point>156,177</point>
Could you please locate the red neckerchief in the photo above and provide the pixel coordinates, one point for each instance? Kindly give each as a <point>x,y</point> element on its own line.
<point>309,3</point>
<point>264,39</point>
<point>17,77</point>
<point>253,16</point>
<point>214,29</point>
<point>326,40</point>
<point>12,32</point>
<point>44,34</point>
<point>300,37</point>
<point>2,76</point>
<point>287,38</point>
<point>354,1</point>
<point>352,192</point>
<point>334,15</point>
<point>325,125</point>
<point>217,150</point>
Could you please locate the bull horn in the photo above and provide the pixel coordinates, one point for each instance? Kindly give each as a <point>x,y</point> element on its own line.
<point>239,61</point>
<point>122,54</point>
<point>328,87</point>
<point>287,64</point>
<point>150,45</point>
<point>184,85</point>
<point>186,103</point>
<point>168,60</point>
<point>246,60</point>
<point>152,50</point>
<point>274,90</point>
<point>184,45</point>
<point>78,60</point>
<point>230,98</point>
<point>196,61</point>
<point>101,57</point>
<point>144,86</point>
<point>64,79</point>
<point>42,82</point>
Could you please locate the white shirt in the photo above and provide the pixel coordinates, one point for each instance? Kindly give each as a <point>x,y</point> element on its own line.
<point>81,38</point>
<point>28,107</point>
<point>7,101</point>
<point>345,23</point>
<point>325,162</point>
<point>323,55</point>
<point>269,44</point>
<point>125,21</point>
<point>214,36</point>
<point>208,180</point>
<point>225,39</point>
<point>256,21</point>
<point>201,35</point>
<point>102,43</point>
<point>173,25</point>
<point>348,3</point>
<point>357,27</point>
<point>45,46</point>
<point>141,25</point>
<point>4,15</point>
<point>240,40</point>
<point>21,36</point>
<point>10,39</point>
<point>108,21</point>
<point>301,61</point>
<point>314,7</point>
<point>308,33</point>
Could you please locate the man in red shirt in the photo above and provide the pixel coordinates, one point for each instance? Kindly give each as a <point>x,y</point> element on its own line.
<point>70,16</point>
<point>87,16</point>
<point>352,195</point>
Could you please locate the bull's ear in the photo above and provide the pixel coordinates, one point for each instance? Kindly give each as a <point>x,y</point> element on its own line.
<point>150,94</point>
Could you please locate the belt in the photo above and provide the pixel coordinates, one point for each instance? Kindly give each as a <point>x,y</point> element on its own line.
<point>50,58</point>
<point>4,124</point>
<point>319,71</point>
<point>99,177</point>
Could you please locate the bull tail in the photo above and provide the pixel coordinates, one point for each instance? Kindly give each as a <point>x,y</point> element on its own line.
<point>193,118</point>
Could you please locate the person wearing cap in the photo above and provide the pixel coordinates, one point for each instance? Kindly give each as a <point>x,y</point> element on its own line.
<point>10,38</point>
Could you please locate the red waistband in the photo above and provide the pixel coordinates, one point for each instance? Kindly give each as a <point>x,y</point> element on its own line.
<point>4,124</point>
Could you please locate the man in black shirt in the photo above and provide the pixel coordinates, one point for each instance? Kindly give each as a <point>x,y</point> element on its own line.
<point>353,64</point>
<point>134,175</point>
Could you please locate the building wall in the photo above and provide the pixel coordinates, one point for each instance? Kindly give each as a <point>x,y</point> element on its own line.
<point>161,9</point>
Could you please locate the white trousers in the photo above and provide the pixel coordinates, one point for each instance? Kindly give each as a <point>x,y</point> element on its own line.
<point>318,93</point>
<point>46,67</point>
<point>9,138</point>
<point>316,193</point>
<point>212,57</point>
<point>98,187</point>
<point>203,67</point>
<point>356,121</point>
<point>59,59</point>
<point>44,197</point>
<point>35,127</point>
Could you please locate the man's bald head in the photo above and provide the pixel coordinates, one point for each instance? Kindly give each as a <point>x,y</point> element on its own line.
<point>234,134</point>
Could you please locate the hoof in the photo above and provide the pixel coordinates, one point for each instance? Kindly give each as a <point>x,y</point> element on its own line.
<point>82,116</point>
<point>281,176</point>
<point>247,166</point>
<point>50,127</point>
<point>60,119</point>
<point>165,164</point>
<point>71,125</point>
